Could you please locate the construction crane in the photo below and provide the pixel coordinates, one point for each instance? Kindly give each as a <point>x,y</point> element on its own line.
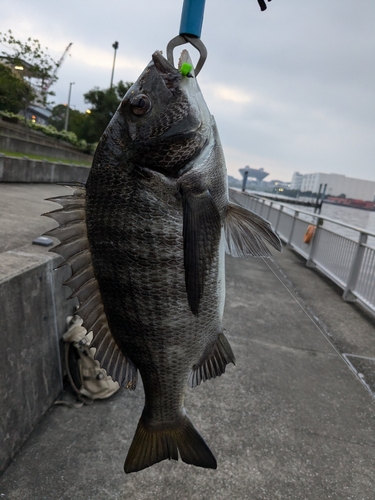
<point>47,85</point>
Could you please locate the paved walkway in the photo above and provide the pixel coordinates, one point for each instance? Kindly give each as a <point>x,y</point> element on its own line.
<point>290,421</point>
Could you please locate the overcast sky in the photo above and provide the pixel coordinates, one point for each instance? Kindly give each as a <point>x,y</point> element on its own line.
<point>292,88</point>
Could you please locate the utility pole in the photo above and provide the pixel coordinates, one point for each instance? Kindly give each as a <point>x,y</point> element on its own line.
<point>115,46</point>
<point>244,181</point>
<point>67,107</point>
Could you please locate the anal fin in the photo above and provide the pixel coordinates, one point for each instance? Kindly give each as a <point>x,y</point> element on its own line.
<point>214,364</point>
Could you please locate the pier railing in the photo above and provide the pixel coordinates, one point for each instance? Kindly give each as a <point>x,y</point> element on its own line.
<point>347,261</point>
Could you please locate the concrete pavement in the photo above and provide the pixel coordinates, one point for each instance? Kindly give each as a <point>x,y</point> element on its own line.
<point>290,421</point>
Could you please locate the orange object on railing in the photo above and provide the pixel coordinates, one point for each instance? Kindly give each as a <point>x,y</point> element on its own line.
<point>309,234</point>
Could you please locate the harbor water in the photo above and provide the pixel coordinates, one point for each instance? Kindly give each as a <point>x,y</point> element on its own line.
<point>361,219</point>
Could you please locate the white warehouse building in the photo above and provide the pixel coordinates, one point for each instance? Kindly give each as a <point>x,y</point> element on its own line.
<point>297,179</point>
<point>338,184</point>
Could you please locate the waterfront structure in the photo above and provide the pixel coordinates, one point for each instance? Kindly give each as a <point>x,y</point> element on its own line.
<point>253,173</point>
<point>296,181</point>
<point>350,202</point>
<point>233,182</point>
<point>338,184</point>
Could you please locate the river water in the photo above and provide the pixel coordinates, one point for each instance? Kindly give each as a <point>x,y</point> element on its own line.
<point>361,219</point>
<point>354,216</point>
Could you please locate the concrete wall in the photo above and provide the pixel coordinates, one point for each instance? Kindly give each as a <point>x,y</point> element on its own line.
<point>33,311</point>
<point>20,139</point>
<point>26,170</point>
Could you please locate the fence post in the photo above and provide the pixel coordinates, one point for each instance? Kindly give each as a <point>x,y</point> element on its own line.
<point>314,244</point>
<point>258,205</point>
<point>269,210</point>
<point>355,268</point>
<point>261,207</point>
<point>250,207</point>
<point>278,218</point>
<point>246,200</point>
<point>2,162</point>
<point>292,230</point>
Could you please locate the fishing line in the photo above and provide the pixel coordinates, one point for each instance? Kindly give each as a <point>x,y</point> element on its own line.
<point>342,357</point>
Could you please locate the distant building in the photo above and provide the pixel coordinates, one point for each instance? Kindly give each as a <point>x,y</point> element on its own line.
<point>296,181</point>
<point>233,182</point>
<point>338,184</point>
<point>278,184</point>
<point>37,114</point>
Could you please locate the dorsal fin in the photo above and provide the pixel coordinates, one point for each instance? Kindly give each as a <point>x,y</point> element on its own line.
<point>75,249</point>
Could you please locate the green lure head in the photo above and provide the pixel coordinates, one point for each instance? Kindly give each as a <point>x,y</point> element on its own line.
<point>185,69</point>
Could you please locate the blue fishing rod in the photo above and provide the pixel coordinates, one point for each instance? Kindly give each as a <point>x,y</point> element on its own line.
<point>191,28</point>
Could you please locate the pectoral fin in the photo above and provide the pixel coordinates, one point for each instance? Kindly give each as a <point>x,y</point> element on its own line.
<point>201,232</point>
<point>246,233</point>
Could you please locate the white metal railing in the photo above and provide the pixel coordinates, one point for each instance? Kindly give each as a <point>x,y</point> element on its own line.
<point>350,263</point>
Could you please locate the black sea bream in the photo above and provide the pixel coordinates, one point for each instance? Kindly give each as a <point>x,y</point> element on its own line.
<point>146,240</point>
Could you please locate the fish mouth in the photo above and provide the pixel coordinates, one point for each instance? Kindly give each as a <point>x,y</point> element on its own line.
<point>163,65</point>
<point>184,58</point>
<point>171,76</point>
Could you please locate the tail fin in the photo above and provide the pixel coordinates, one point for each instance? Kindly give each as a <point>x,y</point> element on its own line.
<point>152,445</point>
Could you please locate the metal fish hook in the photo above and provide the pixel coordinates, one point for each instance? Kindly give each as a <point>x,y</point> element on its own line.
<point>195,42</point>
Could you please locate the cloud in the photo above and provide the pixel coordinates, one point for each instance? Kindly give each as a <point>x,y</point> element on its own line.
<point>98,58</point>
<point>291,88</point>
<point>232,94</point>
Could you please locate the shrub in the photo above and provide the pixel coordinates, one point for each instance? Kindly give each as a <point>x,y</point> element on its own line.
<point>51,131</point>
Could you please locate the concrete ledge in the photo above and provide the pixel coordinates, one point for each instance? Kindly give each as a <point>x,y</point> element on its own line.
<point>33,310</point>
<point>26,170</point>
<point>21,139</point>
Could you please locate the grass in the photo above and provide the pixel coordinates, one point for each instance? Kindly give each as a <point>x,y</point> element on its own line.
<point>45,158</point>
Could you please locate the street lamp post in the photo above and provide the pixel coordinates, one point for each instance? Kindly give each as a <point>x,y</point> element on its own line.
<point>115,46</point>
<point>67,107</point>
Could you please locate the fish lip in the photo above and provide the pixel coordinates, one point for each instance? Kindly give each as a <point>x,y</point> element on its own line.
<point>162,64</point>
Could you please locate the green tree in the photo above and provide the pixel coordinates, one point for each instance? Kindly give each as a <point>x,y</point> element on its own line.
<point>57,118</point>
<point>37,65</point>
<point>103,106</point>
<point>75,122</point>
<point>14,91</point>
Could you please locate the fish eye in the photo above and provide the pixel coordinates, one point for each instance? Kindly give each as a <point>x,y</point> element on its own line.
<point>140,104</point>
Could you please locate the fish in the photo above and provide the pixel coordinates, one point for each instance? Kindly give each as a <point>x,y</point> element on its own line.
<point>146,239</point>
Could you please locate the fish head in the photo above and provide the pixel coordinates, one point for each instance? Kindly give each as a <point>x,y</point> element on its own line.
<point>164,119</point>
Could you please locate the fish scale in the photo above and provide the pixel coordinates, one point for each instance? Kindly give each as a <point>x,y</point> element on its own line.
<point>146,240</point>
